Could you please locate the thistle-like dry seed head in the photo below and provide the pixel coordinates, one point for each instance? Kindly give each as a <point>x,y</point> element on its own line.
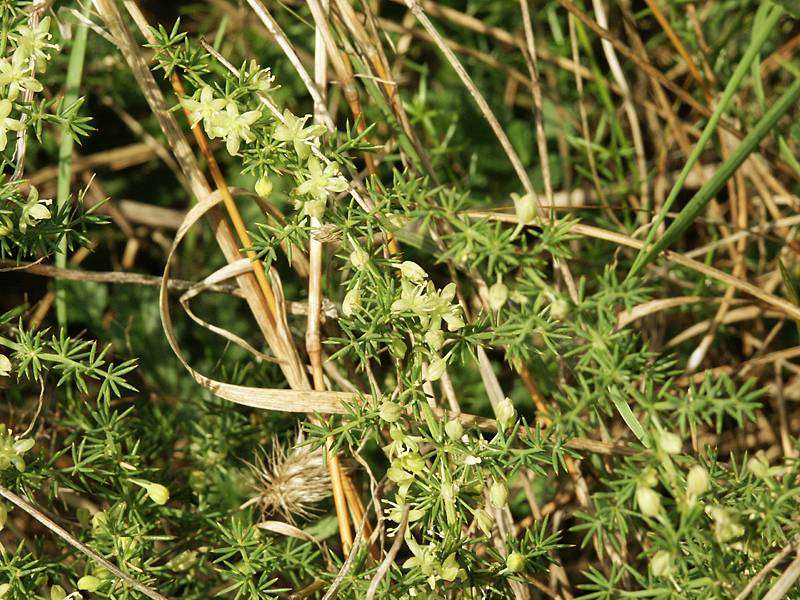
<point>290,483</point>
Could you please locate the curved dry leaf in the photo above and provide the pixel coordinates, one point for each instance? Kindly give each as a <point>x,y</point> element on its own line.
<point>265,398</point>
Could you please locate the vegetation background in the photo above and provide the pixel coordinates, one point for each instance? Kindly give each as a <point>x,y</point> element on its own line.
<point>399,299</point>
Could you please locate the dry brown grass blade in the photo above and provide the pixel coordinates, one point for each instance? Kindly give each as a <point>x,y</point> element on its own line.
<point>630,110</point>
<point>646,67</point>
<point>765,570</point>
<point>486,111</point>
<point>301,400</point>
<point>372,50</point>
<point>116,158</point>
<point>676,42</point>
<point>343,69</point>
<point>785,582</point>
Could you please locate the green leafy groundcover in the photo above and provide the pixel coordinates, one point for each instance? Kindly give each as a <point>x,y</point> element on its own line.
<point>453,215</point>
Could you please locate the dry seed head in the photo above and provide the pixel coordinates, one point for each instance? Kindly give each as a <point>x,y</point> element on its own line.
<point>290,483</point>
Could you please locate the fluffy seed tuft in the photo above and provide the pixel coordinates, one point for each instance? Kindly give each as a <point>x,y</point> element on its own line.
<point>290,483</point>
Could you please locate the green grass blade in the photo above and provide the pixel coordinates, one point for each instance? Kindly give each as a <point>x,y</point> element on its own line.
<point>767,25</point>
<point>73,82</point>
<point>624,410</point>
<point>725,171</point>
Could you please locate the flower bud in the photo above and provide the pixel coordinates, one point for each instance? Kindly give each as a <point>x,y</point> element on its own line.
<point>454,429</point>
<point>316,208</point>
<point>39,212</point>
<point>90,583</point>
<point>518,297</point>
<point>57,592</point>
<point>397,348</point>
<point>399,475</point>
<point>264,186</point>
<point>758,465</point>
<point>726,526</point>
<point>6,226</point>
<point>158,493</point>
<point>436,369</point>
<point>484,520</point>
<point>99,521</point>
<point>661,563</point>
<point>498,295</point>
<point>413,463</point>
<point>412,271</point>
<point>669,442</point>
<point>559,309</point>
<point>435,339</point>
<point>648,500</point>
<point>448,492</point>
<point>525,207</point>
<point>183,561</point>
<point>5,366</point>
<point>352,301</point>
<point>359,258</point>
<point>697,481</point>
<point>498,494</point>
<point>515,562</point>
<point>155,491</point>
<point>506,414</point>
<point>23,445</point>
<point>390,411</point>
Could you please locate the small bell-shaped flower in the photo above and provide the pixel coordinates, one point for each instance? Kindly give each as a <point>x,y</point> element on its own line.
<point>204,107</point>
<point>294,131</point>
<point>7,123</point>
<point>525,207</point>
<point>322,181</point>
<point>35,210</point>
<point>234,127</point>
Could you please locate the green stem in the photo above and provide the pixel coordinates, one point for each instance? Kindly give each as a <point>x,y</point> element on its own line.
<point>73,83</point>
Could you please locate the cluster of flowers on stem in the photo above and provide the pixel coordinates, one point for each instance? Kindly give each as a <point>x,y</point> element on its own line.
<point>223,118</point>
